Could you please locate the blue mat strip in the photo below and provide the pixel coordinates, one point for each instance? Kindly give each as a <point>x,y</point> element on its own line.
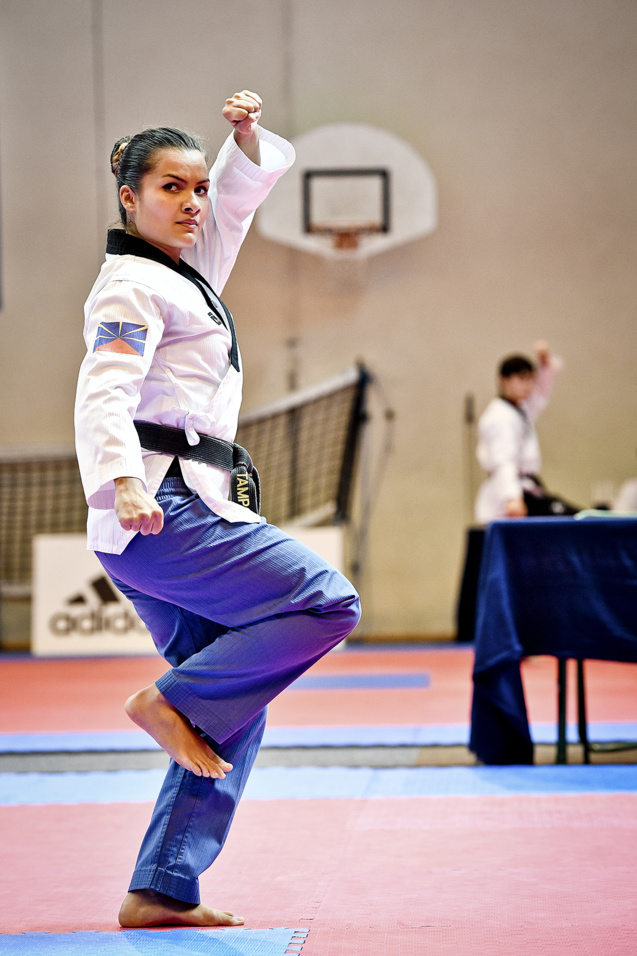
<point>353,736</point>
<point>359,681</point>
<point>360,782</point>
<point>217,942</point>
<point>304,783</point>
<point>70,742</point>
<point>360,736</point>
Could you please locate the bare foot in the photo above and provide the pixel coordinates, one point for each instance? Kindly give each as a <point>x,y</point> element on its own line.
<point>148,908</point>
<point>174,733</point>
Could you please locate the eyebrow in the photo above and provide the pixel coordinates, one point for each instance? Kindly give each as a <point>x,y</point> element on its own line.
<point>181,178</point>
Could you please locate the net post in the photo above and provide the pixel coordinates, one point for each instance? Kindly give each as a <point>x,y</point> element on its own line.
<point>357,420</point>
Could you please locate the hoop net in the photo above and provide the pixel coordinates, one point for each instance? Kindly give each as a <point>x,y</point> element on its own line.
<point>346,237</point>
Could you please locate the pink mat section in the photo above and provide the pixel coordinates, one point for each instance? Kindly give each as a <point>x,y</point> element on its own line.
<point>67,695</point>
<point>73,695</point>
<point>611,690</point>
<point>499,876</point>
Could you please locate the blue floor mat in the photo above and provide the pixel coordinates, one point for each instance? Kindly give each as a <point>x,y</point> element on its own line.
<point>77,741</point>
<point>218,942</point>
<point>355,736</point>
<point>359,681</point>
<point>272,783</point>
<point>305,783</point>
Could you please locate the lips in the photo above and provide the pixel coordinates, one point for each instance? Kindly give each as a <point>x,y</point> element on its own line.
<point>188,222</point>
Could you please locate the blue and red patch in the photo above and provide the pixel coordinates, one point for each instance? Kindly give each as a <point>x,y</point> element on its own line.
<point>124,337</point>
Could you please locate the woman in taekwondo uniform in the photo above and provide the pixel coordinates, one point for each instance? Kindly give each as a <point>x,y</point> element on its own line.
<point>238,608</point>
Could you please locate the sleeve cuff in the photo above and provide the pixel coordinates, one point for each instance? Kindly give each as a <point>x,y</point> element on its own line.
<point>277,155</point>
<point>100,487</point>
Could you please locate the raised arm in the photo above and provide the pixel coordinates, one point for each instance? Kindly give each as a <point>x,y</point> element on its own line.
<point>245,170</point>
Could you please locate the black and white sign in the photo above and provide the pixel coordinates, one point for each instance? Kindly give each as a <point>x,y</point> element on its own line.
<point>77,611</point>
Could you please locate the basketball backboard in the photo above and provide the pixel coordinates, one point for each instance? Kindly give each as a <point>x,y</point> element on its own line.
<point>354,191</point>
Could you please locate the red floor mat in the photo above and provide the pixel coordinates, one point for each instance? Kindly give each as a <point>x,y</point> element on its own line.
<point>611,690</point>
<point>498,876</point>
<point>68,695</point>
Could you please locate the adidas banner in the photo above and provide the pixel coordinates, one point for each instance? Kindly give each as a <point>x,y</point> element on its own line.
<point>77,611</point>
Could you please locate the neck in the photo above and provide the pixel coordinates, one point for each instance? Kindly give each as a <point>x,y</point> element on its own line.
<point>511,401</point>
<point>174,254</point>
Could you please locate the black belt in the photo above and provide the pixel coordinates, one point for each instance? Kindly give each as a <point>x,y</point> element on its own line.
<point>245,487</point>
<point>534,478</point>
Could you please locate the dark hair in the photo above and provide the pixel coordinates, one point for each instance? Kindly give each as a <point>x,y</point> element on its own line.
<point>133,157</point>
<point>516,365</point>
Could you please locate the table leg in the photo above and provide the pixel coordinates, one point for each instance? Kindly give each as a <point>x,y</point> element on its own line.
<point>561,711</point>
<point>581,711</point>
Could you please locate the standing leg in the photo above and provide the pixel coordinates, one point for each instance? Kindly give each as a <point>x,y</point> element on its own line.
<point>188,828</point>
<point>193,814</point>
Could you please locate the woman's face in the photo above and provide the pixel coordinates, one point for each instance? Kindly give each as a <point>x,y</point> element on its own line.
<point>172,203</point>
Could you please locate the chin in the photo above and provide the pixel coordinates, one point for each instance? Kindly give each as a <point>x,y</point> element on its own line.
<point>189,240</point>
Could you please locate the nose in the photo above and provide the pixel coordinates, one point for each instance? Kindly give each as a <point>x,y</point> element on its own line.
<point>191,203</point>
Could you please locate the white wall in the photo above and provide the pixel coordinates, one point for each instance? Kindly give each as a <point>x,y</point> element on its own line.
<point>526,113</point>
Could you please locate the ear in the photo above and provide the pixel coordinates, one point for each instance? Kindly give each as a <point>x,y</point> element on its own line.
<point>128,199</point>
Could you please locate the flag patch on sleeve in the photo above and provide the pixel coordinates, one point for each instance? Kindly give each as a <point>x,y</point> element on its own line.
<point>123,337</point>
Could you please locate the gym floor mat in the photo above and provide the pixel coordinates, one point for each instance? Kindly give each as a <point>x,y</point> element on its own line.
<point>492,876</point>
<point>306,783</point>
<point>217,942</point>
<point>326,736</point>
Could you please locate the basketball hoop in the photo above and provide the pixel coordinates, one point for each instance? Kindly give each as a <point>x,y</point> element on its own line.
<point>344,204</point>
<point>354,191</point>
<point>345,237</point>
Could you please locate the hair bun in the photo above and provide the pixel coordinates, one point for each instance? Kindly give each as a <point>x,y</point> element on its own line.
<point>116,153</point>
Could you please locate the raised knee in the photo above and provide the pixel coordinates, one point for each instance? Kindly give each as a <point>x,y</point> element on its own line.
<point>347,612</point>
<point>354,611</point>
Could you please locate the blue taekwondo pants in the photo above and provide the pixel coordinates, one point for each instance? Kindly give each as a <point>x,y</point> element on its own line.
<point>240,611</point>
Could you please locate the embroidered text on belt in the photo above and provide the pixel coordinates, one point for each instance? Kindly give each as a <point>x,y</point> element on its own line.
<point>245,487</point>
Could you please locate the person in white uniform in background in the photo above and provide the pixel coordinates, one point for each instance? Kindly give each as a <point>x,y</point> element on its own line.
<point>508,447</point>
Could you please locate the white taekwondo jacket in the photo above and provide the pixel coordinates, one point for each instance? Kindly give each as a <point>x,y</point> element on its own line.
<point>508,446</point>
<point>156,353</point>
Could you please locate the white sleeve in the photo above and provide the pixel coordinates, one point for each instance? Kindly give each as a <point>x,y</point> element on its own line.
<point>237,188</point>
<point>124,325</point>
<point>500,440</point>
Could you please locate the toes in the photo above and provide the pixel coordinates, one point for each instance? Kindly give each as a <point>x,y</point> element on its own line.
<point>211,772</point>
<point>229,919</point>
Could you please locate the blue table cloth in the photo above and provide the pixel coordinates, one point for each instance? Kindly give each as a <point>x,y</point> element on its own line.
<point>560,586</point>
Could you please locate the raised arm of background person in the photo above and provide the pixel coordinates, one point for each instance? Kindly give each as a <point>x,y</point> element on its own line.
<point>548,365</point>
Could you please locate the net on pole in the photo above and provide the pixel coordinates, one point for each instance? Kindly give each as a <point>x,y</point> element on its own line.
<point>40,493</point>
<point>304,446</point>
